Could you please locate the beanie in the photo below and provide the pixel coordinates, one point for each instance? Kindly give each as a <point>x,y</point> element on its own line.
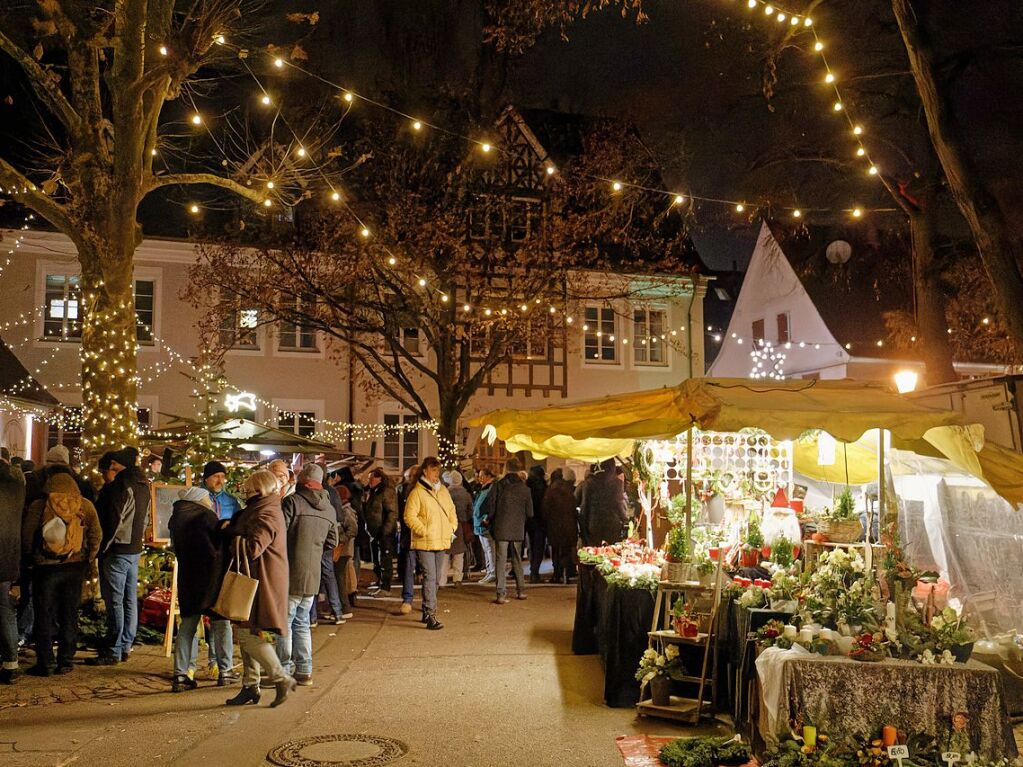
<point>452,478</point>
<point>196,495</point>
<point>58,454</point>
<point>126,456</point>
<point>211,468</point>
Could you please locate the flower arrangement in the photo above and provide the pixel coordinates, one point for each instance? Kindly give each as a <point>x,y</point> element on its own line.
<point>753,597</point>
<point>839,591</point>
<point>784,591</point>
<point>676,547</point>
<point>772,634</point>
<point>869,647</point>
<point>704,751</point>
<point>629,564</point>
<point>654,664</point>
<point>949,630</point>
<point>845,508</point>
<point>685,618</point>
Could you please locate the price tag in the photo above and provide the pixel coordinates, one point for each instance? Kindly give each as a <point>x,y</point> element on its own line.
<point>951,757</point>
<point>898,753</point>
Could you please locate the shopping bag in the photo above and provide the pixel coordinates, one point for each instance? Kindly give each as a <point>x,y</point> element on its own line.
<point>238,591</point>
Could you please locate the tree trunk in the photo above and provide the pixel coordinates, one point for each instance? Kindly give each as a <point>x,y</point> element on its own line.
<point>447,430</point>
<point>109,374</point>
<point>930,299</point>
<point>990,229</point>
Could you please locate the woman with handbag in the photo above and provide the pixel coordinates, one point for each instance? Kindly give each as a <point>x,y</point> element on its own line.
<point>260,547</point>
<point>431,517</point>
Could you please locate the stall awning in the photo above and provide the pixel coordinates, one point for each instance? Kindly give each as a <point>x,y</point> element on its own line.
<point>605,427</point>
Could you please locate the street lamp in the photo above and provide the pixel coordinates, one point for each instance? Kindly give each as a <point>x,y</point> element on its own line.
<point>905,381</point>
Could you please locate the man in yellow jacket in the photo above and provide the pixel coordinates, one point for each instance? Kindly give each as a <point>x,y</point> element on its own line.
<point>430,516</point>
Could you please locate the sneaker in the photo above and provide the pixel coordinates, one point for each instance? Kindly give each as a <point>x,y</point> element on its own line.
<point>304,680</point>
<point>227,678</point>
<point>182,683</point>
<point>520,595</point>
<point>501,601</point>
<point>314,624</point>
<point>103,659</point>
<point>337,621</point>
<point>488,579</point>
<point>346,616</point>
<point>405,608</point>
<point>8,675</point>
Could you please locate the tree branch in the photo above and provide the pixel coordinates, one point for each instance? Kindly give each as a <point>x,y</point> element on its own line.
<point>210,179</point>
<point>33,197</point>
<point>45,87</point>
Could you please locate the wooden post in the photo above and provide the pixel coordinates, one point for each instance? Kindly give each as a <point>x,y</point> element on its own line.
<point>868,549</point>
<point>689,488</point>
<point>172,612</point>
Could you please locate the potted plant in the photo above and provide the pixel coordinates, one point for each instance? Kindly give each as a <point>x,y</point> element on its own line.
<point>704,568</point>
<point>783,552</point>
<point>953,634</point>
<point>842,524</point>
<point>685,619</point>
<point>783,593</point>
<point>869,647</point>
<point>658,670</point>
<point>753,543</point>
<point>676,555</point>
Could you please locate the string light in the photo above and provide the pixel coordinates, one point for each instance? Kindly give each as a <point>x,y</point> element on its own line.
<point>335,196</point>
<point>616,186</point>
<point>267,202</point>
<point>266,100</point>
<point>196,119</point>
<point>163,50</point>
<point>858,130</point>
<point>857,212</point>
<point>485,147</point>
<point>364,231</point>
<point>829,77</point>
<point>739,208</point>
<point>300,151</point>
<point>279,63</point>
<point>349,97</point>
<point>797,213</point>
<point>194,208</point>
<point>873,170</point>
<point>679,199</point>
<point>417,125</point>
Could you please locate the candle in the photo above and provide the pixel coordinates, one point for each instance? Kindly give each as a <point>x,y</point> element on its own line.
<point>809,735</point>
<point>889,735</point>
<point>806,634</point>
<point>827,635</point>
<point>790,632</point>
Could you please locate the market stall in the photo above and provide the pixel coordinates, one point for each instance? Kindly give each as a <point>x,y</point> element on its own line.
<point>736,468</point>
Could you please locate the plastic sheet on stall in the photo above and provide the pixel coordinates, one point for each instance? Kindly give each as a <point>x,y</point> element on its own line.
<point>957,525</point>
<point>642,750</point>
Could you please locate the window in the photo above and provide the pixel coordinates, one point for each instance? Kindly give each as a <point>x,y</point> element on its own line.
<point>411,341</point>
<point>239,328</point>
<point>523,219</point>
<point>292,337</point>
<point>649,348</point>
<point>67,431</point>
<point>531,341</point>
<point>783,328</point>
<point>758,330</point>
<point>401,448</point>
<point>145,417</point>
<point>62,317</point>
<point>484,218</point>
<point>599,335</point>
<point>303,423</point>
<point>145,308</point>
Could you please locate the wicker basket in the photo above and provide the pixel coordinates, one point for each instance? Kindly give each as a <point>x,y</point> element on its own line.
<point>841,530</point>
<point>676,572</point>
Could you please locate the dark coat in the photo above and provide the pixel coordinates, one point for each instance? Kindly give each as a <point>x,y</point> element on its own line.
<point>381,510</point>
<point>537,489</point>
<point>560,509</point>
<point>463,510</point>
<point>311,522</point>
<point>509,504</point>
<point>35,483</point>
<point>12,507</point>
<point>110,503</point>
<point>196,541</point>
<point>602,515</point>
<point>260,525</point>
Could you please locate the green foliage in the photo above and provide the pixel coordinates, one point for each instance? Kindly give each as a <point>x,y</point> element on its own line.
<point>676,546</point>
<point>783,552</point>
<point>754,538</point>
<point>845,509</point>
<point>704,752</point>
<point>677,508</point>
<point>792,754</point>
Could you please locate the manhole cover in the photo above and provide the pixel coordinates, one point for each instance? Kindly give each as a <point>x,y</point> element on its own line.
<point>338,751</point>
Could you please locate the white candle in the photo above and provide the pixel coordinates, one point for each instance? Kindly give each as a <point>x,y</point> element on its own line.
<point>806,634</point>
<point>826,635</point>
<point>790,632</point>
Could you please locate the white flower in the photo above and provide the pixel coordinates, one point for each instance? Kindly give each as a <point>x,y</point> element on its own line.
<point>671,651</point>
<point>660,661</point>
<point>650,656</point>
<point>938,623</point>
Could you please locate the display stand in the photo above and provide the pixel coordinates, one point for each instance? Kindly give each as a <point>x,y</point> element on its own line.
<point>707,600</point>
<point>172,612</point>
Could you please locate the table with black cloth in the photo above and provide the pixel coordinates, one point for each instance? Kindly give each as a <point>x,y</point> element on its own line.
<point>737,653</point>
<point>612,621</point>
<point>840,695</point>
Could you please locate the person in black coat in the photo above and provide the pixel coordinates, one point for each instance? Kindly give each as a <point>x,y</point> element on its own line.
<point>508,505</point>
<point>536,528</point>
<point>602,512</point>
<point>12,504</point>
<point>196,540</point>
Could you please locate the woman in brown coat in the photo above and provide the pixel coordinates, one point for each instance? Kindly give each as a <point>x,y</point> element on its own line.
<point>562,525</point>
<point>264,540</point>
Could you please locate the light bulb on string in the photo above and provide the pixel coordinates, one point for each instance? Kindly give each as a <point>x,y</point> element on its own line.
<point>196,119</point>
<point>300,151</point>
<point>364,232</point>
<point>279,63</point>
<point>269,184</point>
<point>873,170</point>
<point>422,282</point>
<point>751,3</point>
<point>829,78</point>
<point>349,97</point>
<point>768,9</point>
<point>857,212</point>
<point>416,125</point>
<point>616,186</point>
<point>485,147</point>
<point>267,202</point>
<point>466,308</point>
<point>860,152</point>
<point>163,50</point>
<point>392,261</point>
<point>797,213</point>
<point>265,100</point>
<point>780,17</point>
<point>335,196</point>
<point>837,106</point>
<point>858,130</point>
<point>807,22</point>
<point>818,46</point>
<point>194,208</point>
<point>551,170</point>
<point>679,199</point>
<point>740,208</point>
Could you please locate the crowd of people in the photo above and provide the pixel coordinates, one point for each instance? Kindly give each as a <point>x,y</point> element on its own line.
<point>302,535</point>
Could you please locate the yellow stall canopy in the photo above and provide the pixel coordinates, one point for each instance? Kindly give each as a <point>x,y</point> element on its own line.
<point>847,410</point>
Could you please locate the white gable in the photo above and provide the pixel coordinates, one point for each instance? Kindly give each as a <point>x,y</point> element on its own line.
<point>771,288</point>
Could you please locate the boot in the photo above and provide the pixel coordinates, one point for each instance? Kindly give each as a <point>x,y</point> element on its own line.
<point>432,623</point>
<point>182,683</point>
<point>245,695</point>
<point>284,688</point>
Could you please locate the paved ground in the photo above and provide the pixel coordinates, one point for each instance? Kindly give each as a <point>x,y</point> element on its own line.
<point>498,685</point>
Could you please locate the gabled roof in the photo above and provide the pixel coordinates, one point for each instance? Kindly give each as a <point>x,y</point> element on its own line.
<point>17,383</point>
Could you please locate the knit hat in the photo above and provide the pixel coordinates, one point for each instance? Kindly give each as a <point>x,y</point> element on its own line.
<point>211,468</point>
<point>452,478</point>
<point>196,495</point>
<point>126,456</point>
<point>105,460</point>
<point>58,454</point>
<point>311,472</point>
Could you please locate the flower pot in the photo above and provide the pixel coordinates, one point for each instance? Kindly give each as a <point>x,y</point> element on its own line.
<point>961,652</point>
<point>749,558</point>
<point>660,691</point>
<point>676,572</point>
<point>765,551</point>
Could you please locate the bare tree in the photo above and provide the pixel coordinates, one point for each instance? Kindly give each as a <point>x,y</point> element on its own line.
<point>104,76</point>
<point>435,278</point>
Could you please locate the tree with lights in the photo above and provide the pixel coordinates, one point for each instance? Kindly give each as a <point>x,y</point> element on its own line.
<point>432,282</point>
<point>109,79</point>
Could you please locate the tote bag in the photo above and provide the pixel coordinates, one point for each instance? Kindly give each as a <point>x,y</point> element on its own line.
<point>238,591</point>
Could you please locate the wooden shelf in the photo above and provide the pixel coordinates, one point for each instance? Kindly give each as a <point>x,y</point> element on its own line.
<point>672,638</point>
<point>685,709</point>
<point>686,586</point>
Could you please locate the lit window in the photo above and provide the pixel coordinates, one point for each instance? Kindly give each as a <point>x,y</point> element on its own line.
<point>239,328</point>
<point>63,299</point>
<point>145,309</point>
<point>303,423</point>
<point>600,343</point>
<point>648,346</point>
<point>411,341</point>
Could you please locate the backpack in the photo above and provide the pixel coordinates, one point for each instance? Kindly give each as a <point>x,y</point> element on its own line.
<point>125,520</point>
<point>62,530</point>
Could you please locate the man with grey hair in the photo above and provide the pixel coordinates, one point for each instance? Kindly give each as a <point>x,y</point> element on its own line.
<point>508,507</point>
<point>463,535</point>
<point>312,527</point>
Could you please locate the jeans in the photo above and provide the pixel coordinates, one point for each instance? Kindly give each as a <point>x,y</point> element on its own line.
<point>408,575</point>
<point>57,592</point>
<point>503,550</point>
<point>432,563</point>
<point>221,644</point>
<point>26,614</point>
<point>341,579</point>
<point>329,584</point>
<point>119,583</point>
<point>488,553</point>
<point>8,628</point>
<point>537,549</point>
<point>383,548</point>
<point>295,651</point>
<point>457,563</point>
<point>257,655</point>
<point>186,645</point>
